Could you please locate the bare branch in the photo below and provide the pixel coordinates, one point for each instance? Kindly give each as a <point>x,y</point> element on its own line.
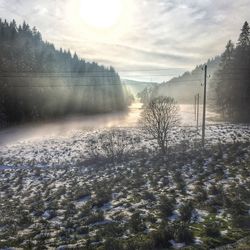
<point>159,117</point>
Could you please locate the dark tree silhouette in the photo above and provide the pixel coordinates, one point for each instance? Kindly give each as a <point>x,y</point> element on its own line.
<point>38,81</point>
<point>233,79</point>
<point>244,39</point>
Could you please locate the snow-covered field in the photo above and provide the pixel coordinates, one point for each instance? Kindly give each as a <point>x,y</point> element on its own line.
<point>69,203</point>
<point>71,149</point>
<point>51,195</point>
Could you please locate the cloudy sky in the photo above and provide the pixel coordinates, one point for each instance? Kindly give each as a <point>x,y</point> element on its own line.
<point>131,35</point>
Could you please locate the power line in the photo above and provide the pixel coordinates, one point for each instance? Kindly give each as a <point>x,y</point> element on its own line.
<point>90,75</point>
<point>77,76</point>
<point>72,75</point>
<point>67,86</point>
<point>7,85</point>
<point>105,74</point>
<point>105,71</point>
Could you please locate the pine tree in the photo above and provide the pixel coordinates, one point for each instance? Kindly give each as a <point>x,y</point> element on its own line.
<point>223,91</point>
<point>233,79</point>
<point>227,56</point>
<point>23,50</point>
<point>244,38</point>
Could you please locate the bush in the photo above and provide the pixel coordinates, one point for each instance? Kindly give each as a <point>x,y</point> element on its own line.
<point>166,206</point>
<point>136,223</point>
<point>102,197</point>
<point>162,236</point>
<point>140,242</point>
<point>186,211</point>
<point>112,244</point>
<point>212,230</point>
<point>238,208</point>
<point>80,193</point>
<point>82,230</point>
<point>111,230</point>
<point>148,196</point>
<point>182,233</point>
<point>94,218</point>
<point>241,221</point>
<point>113,145</point>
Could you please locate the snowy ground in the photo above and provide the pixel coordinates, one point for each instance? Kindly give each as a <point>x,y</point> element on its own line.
<point>71,149</point>
<point>49,193</point>
<point>69,203</point>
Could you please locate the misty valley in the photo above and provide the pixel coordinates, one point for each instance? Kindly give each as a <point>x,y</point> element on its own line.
<point>100,157</point>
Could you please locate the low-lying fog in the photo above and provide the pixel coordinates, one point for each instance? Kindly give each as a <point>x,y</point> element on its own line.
<point>62,127</point>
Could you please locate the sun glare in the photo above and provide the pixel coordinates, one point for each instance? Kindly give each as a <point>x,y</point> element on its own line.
<point>101,13</point>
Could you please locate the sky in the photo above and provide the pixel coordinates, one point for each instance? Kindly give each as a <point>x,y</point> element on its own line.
<point>149,40</point>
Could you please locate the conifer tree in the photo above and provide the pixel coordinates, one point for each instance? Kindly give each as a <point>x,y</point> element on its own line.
<point>23,52</point>
<point>244,38</point>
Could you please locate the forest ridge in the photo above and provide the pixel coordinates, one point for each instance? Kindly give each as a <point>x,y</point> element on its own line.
<point>33,74</point>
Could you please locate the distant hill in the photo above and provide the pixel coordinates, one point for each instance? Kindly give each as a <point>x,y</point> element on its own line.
<point>39,82</point>
<point>184,87</point>
<point>134,87</point>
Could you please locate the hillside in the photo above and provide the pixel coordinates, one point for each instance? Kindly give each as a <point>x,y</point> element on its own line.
<point>39,82</point>
<point>135,87</point>
<point>184,87</point>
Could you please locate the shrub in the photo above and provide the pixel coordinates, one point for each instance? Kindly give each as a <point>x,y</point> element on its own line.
<point>166,206</point>
<point>212,230</point>
<point>162,236</point>
<point>136,223</point>
<point>186,211</point>
<point>241,221</point>
<point>113,145</point>
<point>182,233</point>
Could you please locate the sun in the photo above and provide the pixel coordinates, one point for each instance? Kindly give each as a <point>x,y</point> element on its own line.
<point>101,13</point>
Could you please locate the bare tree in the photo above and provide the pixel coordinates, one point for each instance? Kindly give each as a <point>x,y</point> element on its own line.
<point>159,118</point>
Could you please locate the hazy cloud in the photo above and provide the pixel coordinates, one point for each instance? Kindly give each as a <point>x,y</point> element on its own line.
<point>161,33</point>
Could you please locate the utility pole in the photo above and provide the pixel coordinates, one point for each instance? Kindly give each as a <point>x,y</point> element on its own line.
<point>195,112</point>
<point>198,110</point>
<point>204,107</point>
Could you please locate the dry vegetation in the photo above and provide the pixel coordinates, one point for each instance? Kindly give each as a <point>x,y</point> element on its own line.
<point>138,200</point>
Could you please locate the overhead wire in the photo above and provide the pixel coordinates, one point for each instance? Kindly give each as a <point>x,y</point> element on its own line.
<point>90,75</point>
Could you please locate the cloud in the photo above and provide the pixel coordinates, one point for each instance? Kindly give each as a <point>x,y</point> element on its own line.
<point>160,33</point>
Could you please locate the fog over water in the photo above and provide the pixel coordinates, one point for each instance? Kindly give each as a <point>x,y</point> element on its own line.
<point>64,127</point>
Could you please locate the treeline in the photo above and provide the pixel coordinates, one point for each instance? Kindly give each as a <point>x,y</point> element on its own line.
<point>228,82</point>
<point>232,80</point>
<point>39,82</point>
<point>184,87</point>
